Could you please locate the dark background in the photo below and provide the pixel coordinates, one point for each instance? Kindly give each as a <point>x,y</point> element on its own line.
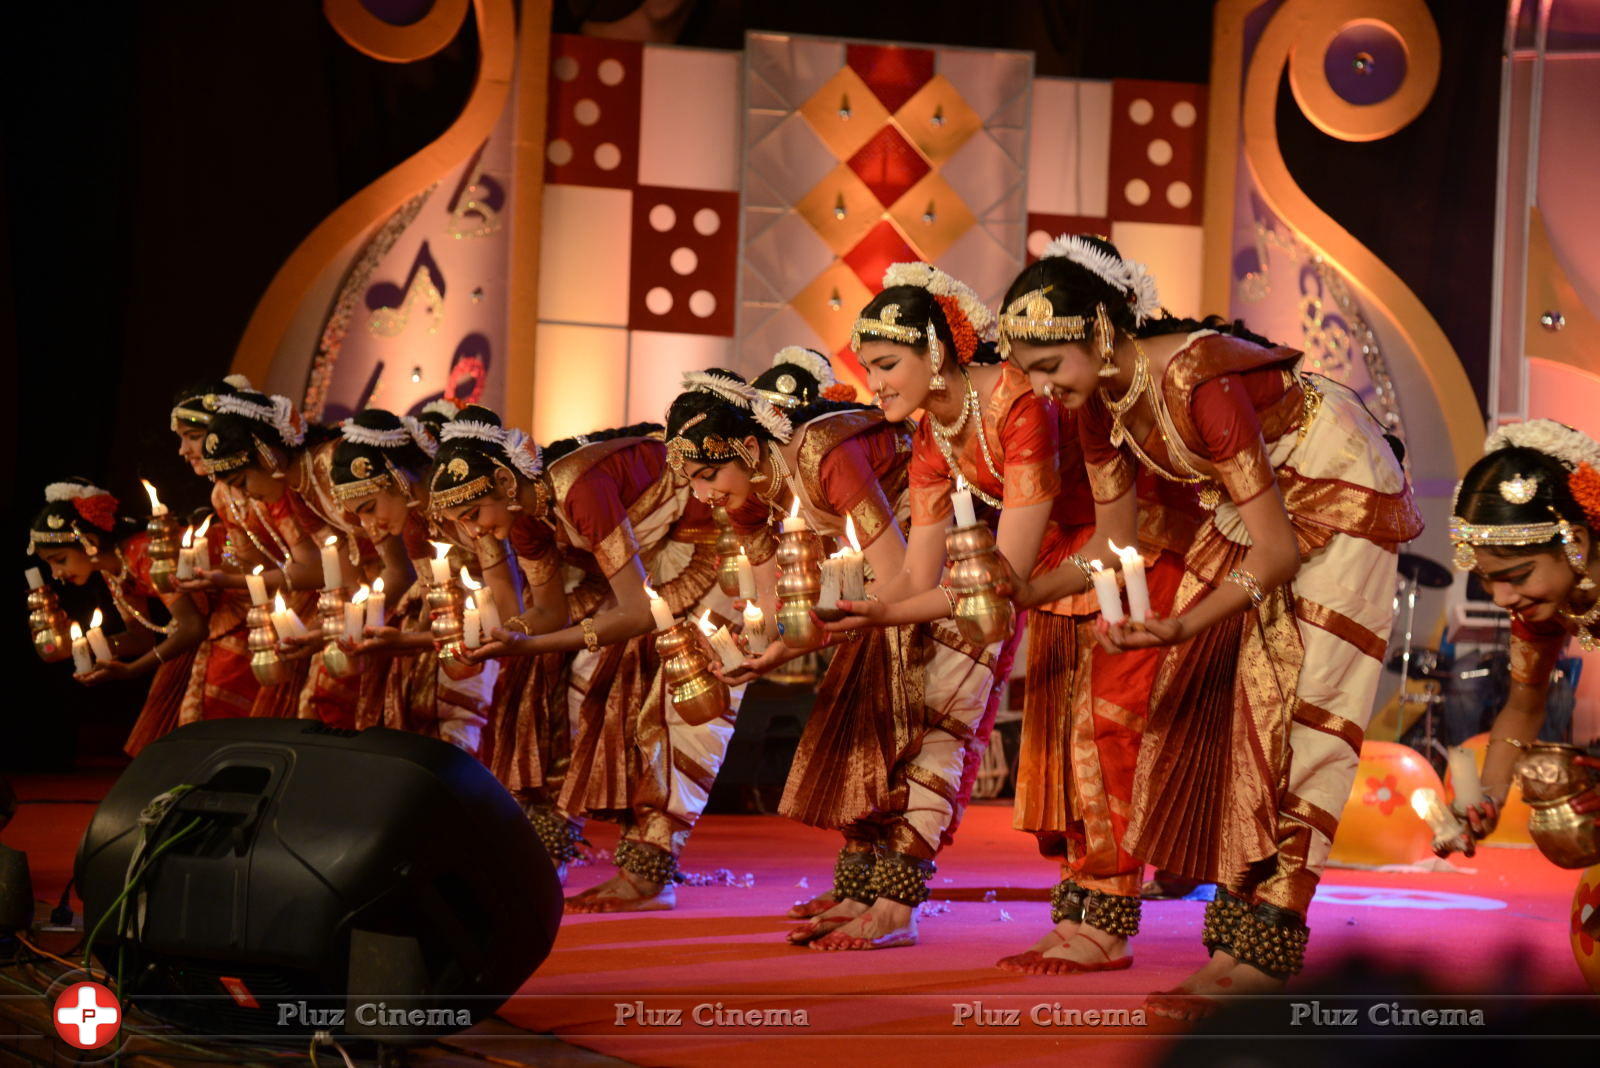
<point>160,159</point>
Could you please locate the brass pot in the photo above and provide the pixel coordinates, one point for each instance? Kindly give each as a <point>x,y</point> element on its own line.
<point>799,559</point>
<point>1548,772</point>
<point>453,662</point>
<point>697,694</point>
<point>1567,838</point>
<point>265,662</point>
<point>444,612</point>
<point>163,551</point>
<point>984,613</point>
<point>52,644</point>
<point>728,549</point>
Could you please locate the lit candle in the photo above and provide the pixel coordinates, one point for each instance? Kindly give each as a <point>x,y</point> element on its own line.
<point>286,621</point>
<point>355,612</point>
<point>1425,803</point>
<point>722,641</point>
<point>156,507</point>
<point>202,547</point>
<point>186,555</point>
<point>1464,777</point>
<point>35,579</point>
<point>257,585</point>
<point>1133,579</point>
<point>332,568</point>
<point>97,639</point>
<point>755,629</point>
<point>1105,589</point>
<point>488,611</point>
<point>794,521</point>
<point>961,499</point>
<point>81,663</point>
<point>659,609</point>
<point>375,606</point>
<point>470,622</point>
<point>852,566</point>
<point>747,576</point>
<point>828,599</point>
<point>441,565</point>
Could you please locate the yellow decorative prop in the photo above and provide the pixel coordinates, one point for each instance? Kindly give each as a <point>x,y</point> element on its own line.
<point>1585,926</point>
<point>1378,825</point>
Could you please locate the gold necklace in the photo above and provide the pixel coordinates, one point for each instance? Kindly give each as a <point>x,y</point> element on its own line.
<point>1130,397</point>
<point>942,436</point>
<point>1586,637</point>
<point>126,609</point>
<point>1210,495</point>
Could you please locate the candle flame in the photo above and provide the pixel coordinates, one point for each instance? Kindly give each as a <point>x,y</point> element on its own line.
<point>257,569</point>
<point>188,537</point>
<point>1095,565</point>
<point>961,482</point>
<point>440,549</point>
<point>704,624</point>
<point>155,502</point>
<point>840,555</point>
<point>201,533</point>
<point>96,619</point>
<point>1422,800</point>
<point>331,540</point>
<point>377,586</point>
<point>362,593</point>
<point>850,533</point>
<point>466,580</point>
<point>752,612</point>
<point>471,605</point>
<point>795,511</point>
<point>75,632</point>
<point>650,593</point>
<point>1121,550</point>
<point>277,602</point>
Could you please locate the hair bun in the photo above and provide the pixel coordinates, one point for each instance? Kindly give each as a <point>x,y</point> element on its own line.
<point>477,413</point>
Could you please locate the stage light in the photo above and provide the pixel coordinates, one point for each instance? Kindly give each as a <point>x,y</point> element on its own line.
<point>416,374</point>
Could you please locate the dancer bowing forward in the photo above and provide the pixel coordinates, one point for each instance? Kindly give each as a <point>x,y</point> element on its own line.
<point>1281,621</point>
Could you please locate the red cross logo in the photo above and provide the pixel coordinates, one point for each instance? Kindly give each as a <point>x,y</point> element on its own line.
<point>87,1015</point>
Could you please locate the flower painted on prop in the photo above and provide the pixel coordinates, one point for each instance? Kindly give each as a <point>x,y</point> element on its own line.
<point>1385,794</point>
<point>1586,917</point>
<point>467,374</point>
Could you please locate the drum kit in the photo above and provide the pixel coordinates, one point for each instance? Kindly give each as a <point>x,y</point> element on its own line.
<point>1417,573</point>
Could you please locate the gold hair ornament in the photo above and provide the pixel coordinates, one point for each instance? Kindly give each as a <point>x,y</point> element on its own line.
<point>887,327</point>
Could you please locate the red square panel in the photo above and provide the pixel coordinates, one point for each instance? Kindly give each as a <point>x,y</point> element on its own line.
<point>1157,166</point>
<point>889,165</point>
<point>592,125</point>
<point>1043,228</point>
<point>685,249</point>
<point>893,74</point>
<point>874,254</point>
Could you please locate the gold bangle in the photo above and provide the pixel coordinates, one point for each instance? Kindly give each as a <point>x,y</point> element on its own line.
<point>1249,584</point>
<point>590,638</point>
<point>1079,561</point>
<point>951,596</point>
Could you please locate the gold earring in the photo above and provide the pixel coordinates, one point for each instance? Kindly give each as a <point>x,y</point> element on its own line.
<point>936,358</point>
<point>1105,338</point>
<point>1575,560</point>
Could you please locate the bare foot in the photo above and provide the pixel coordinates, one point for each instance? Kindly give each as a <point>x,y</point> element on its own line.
<point>625,892</point>
<point>804,910</point>
<point>885,925</point>
<point>831,920</point>
<point>1057,935</point>
<point>1201,995</point>
<point>1089,950</point>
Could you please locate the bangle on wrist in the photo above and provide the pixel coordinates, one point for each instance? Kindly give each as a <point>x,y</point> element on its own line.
<point>155,651</point>
<point>1249,584</point>
<point>591,640</point>
<point>950,595</point>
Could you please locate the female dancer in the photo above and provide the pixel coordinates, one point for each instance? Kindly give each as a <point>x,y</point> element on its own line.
<point>609,502</point>
<point>379,474</point>
<point>1282,618</point>
<point>79,535</point>
<point>1524,521</point>
<point>884,750</point>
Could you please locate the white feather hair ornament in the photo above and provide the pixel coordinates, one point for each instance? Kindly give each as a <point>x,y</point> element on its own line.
<point>356,434</point>
<point>524,454</point>
<point>420,434</point>
<point>820,366</point>
<point>1558,440</point>
<point>239,382</point>
<point>729,389</point>
<point>776,423</point>
<point>441,407</point>
<point>472,430</point>
<point>57,492</point>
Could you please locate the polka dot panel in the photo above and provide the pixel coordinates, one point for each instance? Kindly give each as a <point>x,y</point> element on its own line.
<point>683,261</point>
<point>592,123</point>
<point>1157,163</point>
<point>1043,228</point>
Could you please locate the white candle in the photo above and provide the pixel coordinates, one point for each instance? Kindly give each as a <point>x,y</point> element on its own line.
<point>156,507</point>
<point>852,567</point>
<point>355,612</point>
<point>488,611</point>
<point>747,578</point>
<point>1464,777</point>
<point>375,606</point>
<point>35,579</point>
<point>1425,803</point>
<point>659,610</point>
<point>961,499</point>
<point>1133,579</point>
<point>470,622</point>
<point>258,586</point>
<point>202,547</point>
<point>722,642</point>
<point>440,563</point>
<point>1105,589</point>
<point>186,555</point>
<point>828,599</point>
<point>81,663</point>
<point>97,639</point>
<point>332,567</point>
<point>286,621</point>
<point>794,521</point>
<point>755,629</point>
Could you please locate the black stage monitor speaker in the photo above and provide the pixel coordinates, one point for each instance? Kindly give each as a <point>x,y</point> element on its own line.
<point>372,883</point>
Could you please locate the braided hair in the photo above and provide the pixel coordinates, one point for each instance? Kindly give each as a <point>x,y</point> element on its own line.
<point>566,446</point>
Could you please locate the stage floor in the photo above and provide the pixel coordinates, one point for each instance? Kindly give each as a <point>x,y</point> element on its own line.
<point>613,981</point>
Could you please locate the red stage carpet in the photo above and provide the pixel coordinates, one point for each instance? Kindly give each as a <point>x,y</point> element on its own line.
<point>725,944</point>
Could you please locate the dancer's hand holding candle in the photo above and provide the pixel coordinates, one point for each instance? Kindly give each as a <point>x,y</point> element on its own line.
<point>82,662</point>
<point>375,605</point>
<point>202,548</point>
<point>852,566</point>
<point>1133,579</point>
<point>755,630</point>
<point>1106,592</point>
<point>355,613</point>
<point>659,610</point>
<point>186,555</point>
<point>97,639</point>
<point>722,642</point>
<point>257,586</point>
<point>483,597</point>
<point>332,568</point>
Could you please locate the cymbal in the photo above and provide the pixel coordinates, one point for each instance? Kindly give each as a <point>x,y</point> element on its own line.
<point>1425,664</point>
<point>1424,571</point>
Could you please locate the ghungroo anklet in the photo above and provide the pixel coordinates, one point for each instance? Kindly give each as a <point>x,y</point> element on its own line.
<point>1115,914</point>
<point>1272,939</point>
<point>1066,902</point>
<point>852,875</point>
<point>647,861</point>
<point>902,877</point>
<point>559,835</point>
<point>1221,924</point>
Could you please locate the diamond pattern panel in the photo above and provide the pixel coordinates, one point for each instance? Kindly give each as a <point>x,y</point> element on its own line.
<point>845,113</point>
<point>841,208</point>
<point>932,215</point>
<point>883,245</point>
<point>893,73</point>
<point>937,120</point>
<point>889,164</point>
<point>830,303</point>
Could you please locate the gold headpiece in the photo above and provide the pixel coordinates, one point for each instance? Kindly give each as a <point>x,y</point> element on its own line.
<point>364,483</point>
<point>1031,317</point>
<point>440,499</point>
<point>887,326</point>
<point>1519,490</point>
<point>713,447</point>
<point>187,413</point>
<point>784,395</point>
<point>1468,536</point>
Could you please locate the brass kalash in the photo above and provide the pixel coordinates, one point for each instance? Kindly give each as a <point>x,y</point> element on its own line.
<point>697,694</point>
<point>982,585</point>
<point>49,625</point>
<point>1551,780</point>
